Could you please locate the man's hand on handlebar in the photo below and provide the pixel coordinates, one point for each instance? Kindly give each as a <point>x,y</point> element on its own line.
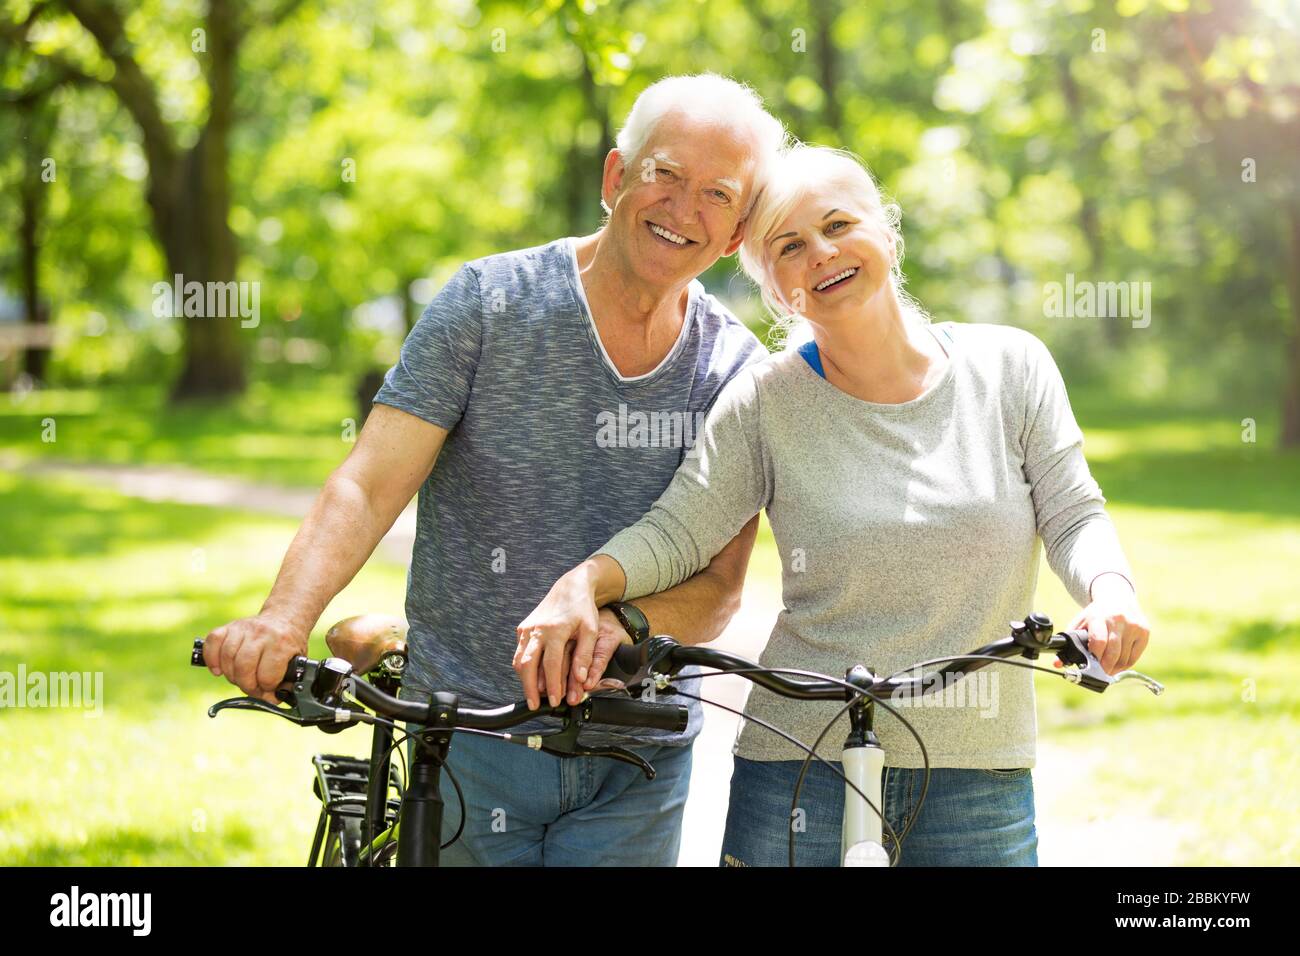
<point>253,653</point>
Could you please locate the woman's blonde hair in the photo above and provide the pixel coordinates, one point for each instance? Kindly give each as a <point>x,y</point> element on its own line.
<point>794,174</point>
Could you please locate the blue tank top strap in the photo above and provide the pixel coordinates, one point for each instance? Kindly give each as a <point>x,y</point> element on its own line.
<point>814,358</point>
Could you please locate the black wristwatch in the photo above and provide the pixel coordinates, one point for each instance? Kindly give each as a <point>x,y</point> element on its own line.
<point>632,619</point>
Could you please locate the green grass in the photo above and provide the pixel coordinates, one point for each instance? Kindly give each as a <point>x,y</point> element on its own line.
<point>290,434</point>
<point>90,580</point>
<point>93,581</point>
<point>1212,527</point>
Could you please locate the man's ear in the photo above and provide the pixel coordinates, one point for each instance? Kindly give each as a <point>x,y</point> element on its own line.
<point>736,239</point>
<point>611,180</point>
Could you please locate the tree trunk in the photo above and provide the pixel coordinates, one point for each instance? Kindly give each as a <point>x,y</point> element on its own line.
<point>1090,223</point>
<point>201,245</point>
<point>188,192</point>
<point>32,203</point>
<point>1291,390</point>
<point>586,165</point>
<point>410,310</point>
<point>828,62</point>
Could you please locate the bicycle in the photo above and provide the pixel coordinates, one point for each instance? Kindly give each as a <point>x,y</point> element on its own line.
<point>356,830</point>
<point>360,822</point>
<point>652,664</point>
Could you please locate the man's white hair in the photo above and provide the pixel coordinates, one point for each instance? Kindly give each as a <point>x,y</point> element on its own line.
<point>704,96</point>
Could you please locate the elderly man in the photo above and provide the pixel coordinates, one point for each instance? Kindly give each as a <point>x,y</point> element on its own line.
<point>556,389</point>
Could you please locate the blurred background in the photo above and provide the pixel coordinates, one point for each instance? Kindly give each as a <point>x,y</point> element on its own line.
<point>341,158</point>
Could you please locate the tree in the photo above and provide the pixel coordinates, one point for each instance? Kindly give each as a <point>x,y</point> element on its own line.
<point>188,189</point>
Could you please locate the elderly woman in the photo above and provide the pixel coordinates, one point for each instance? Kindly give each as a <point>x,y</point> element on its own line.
<point>910,472</point>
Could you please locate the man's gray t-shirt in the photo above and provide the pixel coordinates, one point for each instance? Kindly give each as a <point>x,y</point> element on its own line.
<point>550,453</point>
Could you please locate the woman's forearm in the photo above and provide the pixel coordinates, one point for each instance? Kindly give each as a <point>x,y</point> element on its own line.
<point>1085,552</point>
<point>603,577</point>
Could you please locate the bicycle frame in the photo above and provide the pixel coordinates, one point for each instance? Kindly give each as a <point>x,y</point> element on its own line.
<point>419,843</point>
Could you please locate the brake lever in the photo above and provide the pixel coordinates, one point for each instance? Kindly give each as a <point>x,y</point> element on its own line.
<point>1150,683</point>
<point>564,743</point>
<point>329,719</point>
<point>253,703</point>
<point>612,753</point>
<point>1090,673</point>
<point>319,696</point>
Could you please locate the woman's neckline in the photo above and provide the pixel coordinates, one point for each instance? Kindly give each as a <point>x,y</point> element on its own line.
<point>941,335</point>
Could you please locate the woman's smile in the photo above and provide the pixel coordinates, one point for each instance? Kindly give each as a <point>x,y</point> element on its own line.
<point>836,280</point>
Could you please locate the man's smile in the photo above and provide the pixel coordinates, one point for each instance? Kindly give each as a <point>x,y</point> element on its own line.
<point>668,237</point>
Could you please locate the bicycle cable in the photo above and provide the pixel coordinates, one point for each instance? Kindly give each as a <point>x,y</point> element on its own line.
<point>859,693</point>
<point>925,784</point>
<point>798,743</point>
<point>398,744</point>
<point>807,763</point>
<point>897,852</point>
<point>986,657</point>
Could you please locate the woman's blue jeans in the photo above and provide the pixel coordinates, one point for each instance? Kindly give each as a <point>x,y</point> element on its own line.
<point>970,817</point>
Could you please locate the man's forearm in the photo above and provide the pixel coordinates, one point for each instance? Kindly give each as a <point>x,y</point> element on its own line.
<point>336,538</point>
<point>694,612</point>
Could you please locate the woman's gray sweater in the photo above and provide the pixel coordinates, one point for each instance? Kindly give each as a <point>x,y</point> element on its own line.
<point>906,532</point>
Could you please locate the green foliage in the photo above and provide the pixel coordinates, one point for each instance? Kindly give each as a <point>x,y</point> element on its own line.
<point>98,582</point>
<point>377,146</point>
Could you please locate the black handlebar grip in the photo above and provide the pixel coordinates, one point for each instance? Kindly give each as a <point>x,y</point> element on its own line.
<point>293,673</point>
<point>624,712</point>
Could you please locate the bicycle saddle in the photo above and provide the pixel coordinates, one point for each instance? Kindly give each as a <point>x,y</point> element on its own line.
<point>364,639</point>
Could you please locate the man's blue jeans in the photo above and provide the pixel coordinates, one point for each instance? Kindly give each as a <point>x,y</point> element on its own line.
<point>970,817</point>
<point>527,808</point>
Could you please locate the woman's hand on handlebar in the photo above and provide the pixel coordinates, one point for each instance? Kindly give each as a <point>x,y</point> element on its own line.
<point>542,659</point>
<point>1118,629</point>
<point>610,635</point>
<point>557,640</point>
<point>253,653</point>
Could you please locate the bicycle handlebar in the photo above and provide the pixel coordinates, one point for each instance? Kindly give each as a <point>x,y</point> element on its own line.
<point>323,692</point>
<point>320,689</point>
<point>650,662</point>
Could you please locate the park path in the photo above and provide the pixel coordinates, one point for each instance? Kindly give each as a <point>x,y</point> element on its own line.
<point>1069,833</point>
<point>181,485</point>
